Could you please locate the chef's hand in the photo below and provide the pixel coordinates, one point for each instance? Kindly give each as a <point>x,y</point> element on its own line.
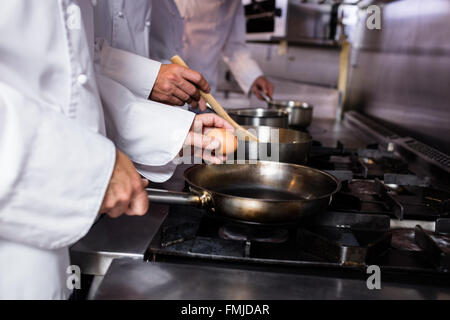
<point>262,84</point>
<point>126,190</point>
<point>203,145</point>
<point>177,85</point>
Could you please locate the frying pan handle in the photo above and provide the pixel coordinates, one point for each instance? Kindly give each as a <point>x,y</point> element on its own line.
<point>179,198</point>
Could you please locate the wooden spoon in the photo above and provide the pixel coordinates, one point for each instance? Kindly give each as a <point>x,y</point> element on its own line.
<point>241,133</point>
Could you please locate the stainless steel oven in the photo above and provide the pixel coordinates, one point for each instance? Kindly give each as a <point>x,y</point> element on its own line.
<point>291,20</point>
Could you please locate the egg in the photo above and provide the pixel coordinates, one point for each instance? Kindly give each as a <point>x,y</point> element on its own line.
<point>228,140</point>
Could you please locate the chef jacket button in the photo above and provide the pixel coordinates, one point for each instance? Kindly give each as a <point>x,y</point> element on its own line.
<point>94,2</point>
<point>147,23</point>
<point>82,79</point>
<point>120,14</point>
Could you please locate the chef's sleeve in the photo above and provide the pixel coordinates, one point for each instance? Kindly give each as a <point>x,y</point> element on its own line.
<point>134,72</point>
<point>150,133</point>
<point>237,56</point>
<point>53,173</point>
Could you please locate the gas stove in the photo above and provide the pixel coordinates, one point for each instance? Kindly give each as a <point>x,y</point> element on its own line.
<point>392,211</point>
<point>384,215</point>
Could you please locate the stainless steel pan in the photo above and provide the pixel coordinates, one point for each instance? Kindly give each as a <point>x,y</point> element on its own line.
<point>266,192</point>
<point>300,113</point>
<point>260,117</point>
<point>292,146</point>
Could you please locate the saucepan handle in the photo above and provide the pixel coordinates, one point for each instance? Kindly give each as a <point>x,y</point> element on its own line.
<point>178,198</point>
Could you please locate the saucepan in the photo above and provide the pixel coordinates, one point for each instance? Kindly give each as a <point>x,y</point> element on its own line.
<point>300,113</point>
<point>265,192</point>
<point>260,117</point>
<point>275,144</point>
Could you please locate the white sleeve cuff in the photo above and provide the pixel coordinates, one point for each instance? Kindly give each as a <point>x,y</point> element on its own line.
<point>150,133</point>
<point>136,73</point>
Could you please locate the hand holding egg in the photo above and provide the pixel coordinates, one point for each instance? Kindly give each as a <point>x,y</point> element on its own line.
<point>211,138</point>
<point>228,141</point>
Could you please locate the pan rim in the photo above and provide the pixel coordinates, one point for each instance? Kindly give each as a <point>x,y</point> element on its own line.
<point>284,104</point>
<point>336,180</point>
<point>271,113</point>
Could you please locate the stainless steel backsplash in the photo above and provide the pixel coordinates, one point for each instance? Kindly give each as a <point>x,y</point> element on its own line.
<point>400,74</point>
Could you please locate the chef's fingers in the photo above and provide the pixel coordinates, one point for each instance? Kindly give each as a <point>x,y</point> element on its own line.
<point>271,88</point>
<point>194,105</point>
<point>201,141</point>
<point>268,88</point>
<point>189,89</point>
<point>182,96</point>
<point>117,211</point>
<point>115,207</point>
<point>214,121</point>
<point>168,98</point>
<point>256,92</point>
<point>202,104</point>
<point>121,200</point>
<point>197,127</point>
<point>175,101</point>
<point>210,159</point>
<point>197,79</point>
<point>139,204</point>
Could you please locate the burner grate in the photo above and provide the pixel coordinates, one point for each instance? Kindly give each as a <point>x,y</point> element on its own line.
<point>429,152</point>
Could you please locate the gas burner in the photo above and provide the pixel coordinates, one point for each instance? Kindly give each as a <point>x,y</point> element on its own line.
<point>442,242</point>
<point>435,248</point>
<point>242,232</point>
<point>363,187</point>
<point>404,239</point>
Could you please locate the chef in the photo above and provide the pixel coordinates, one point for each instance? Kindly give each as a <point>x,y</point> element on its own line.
<point>152,30</point>
<point>215,29</point>
<point>127,34</point>
<point>58,170</point>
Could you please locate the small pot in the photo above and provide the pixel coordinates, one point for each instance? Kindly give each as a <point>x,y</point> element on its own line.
<point>260,117</point>
<point>292,146</point>
<point>300,113</point>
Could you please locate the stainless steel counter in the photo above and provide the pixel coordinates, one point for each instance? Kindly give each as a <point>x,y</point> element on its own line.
<point>116,238</point>
<point>131,279</point>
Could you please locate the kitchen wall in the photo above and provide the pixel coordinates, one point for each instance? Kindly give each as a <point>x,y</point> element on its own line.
<point>400,74</point>
<point>318,65</point>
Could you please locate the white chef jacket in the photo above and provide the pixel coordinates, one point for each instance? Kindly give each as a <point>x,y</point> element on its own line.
<point>126,33</point>
<point>55,163</point>
<point>52,140</point>
<point>215,29</point>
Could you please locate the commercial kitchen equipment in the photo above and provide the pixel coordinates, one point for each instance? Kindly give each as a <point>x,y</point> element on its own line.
<point>291,20</point>
<point>300,113</point>
<point>384,215</point>
<point>265,192</point>
<point>260,117</point>
<point>275,144</point>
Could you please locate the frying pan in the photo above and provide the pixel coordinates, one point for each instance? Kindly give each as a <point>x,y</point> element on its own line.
<point>266,192</point>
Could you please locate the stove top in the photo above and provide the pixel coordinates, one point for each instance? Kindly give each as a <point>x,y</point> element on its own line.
<point>384,215</point>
